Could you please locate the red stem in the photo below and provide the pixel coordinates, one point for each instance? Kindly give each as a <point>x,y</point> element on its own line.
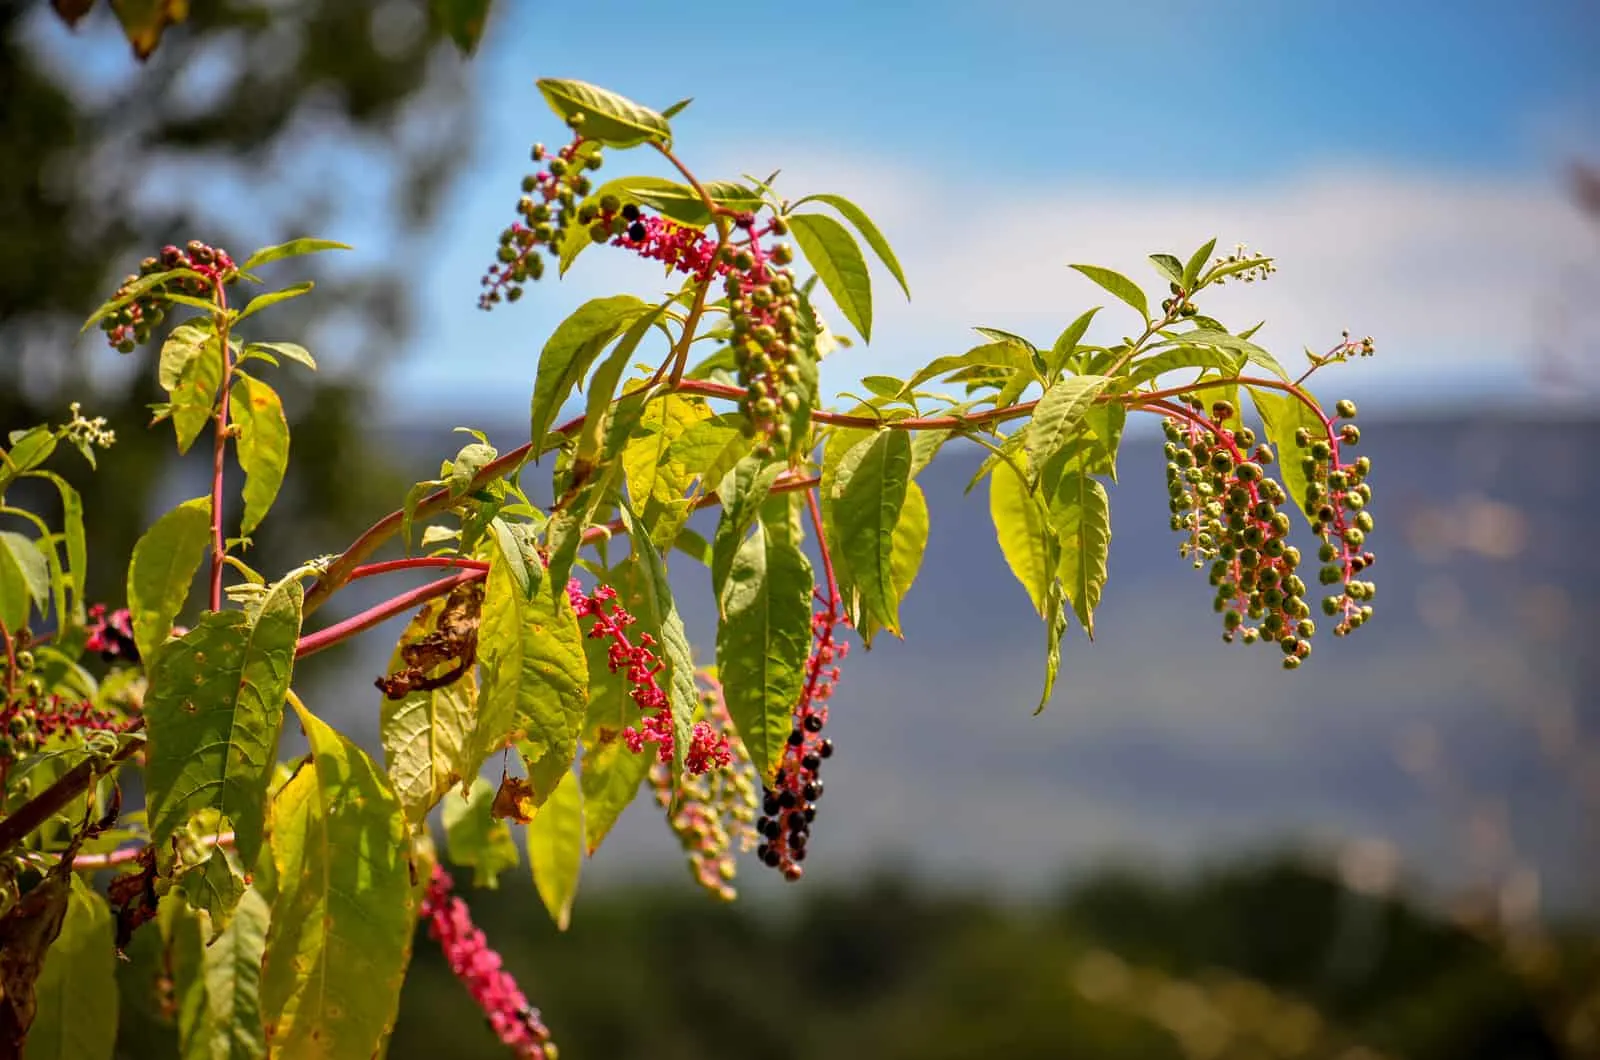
<point>822,545</point>
<point>326,638</point>
<point>416,563</point>
<point>220,450</point>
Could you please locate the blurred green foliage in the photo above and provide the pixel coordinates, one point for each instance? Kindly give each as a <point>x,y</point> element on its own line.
<point>213,138</point>
<point>1264,959</point>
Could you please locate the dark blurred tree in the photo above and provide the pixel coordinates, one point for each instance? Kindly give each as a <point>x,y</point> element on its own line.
<point>253,122</point>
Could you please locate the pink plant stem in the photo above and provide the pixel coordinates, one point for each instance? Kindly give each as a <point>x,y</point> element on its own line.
<point>326,638</point>
<point>418,563</point>
<point>220,449</point>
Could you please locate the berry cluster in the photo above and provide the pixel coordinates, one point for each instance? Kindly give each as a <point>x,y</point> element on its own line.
<point>764,311</point>
<point>715,810</point>
<point>130,326</point>
<point>789,805</point>
<point>33,718</point>
<point>1337,496</point>
<point>545,212</point>
<point>708,749</point>
<point>111,634</point>
<point>1224,501</point>
<point>450,925</point>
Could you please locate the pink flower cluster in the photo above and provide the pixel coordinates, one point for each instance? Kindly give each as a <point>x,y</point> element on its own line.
<point>685,249</point>
<point>707,748</point>
<point>111,634</point>
<point>450,925</point>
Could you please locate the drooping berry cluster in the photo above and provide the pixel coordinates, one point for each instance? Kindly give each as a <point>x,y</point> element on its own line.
<point>130,326</point>
<point>32,717</point>
<point>789,805</point>
<point>546,210</point>
<point>716,810</point>
<point>479,968</point>
<point>1222,499</point>
<point>707,748</point>
<point>764,311</point>
<point>1338,496</point>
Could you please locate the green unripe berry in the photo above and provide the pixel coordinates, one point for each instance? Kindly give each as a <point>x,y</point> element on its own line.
<point>1353,536</point>
<point>1291,662</point>
<point>783,253</point>
<point>1362,466</point>
<point>1364,522</point>
<point>1330,575</point>
<point>24,660</point>
<point>1345,409</point>
<point>1302,437</point>
<point>1349,434</point>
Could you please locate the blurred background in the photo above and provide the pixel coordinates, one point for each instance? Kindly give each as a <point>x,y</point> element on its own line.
<point>1394,852</point>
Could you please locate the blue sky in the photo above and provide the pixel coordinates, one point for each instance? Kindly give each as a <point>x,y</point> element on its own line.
<point>1404,161</point>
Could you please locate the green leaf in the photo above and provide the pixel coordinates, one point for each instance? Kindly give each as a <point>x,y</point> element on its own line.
<point>873,479</point>
<point>272,298</point>
<point>292,249</point>
<point>658,615</point>
<point>677,108</point>
<point>535,677</point>
<point>476,838</point>
<point>29,449</point>
<point>910,541</point>
<point>469,462</point>
<point>1025,537</point>
<point>187,342</point>
<point>462,20</point>
<point>214,886</point>
<point>287,350</point>
<point>1067,342</point>
<point>425,733</point>
<point>1010,355</point>
<point>925,445</point>
<point>77,550</point>
<point>263,445</point>
<point>710,448</point>
<point>1233,343</point>
<point>229,1024</point>
<point>1055,624</point>
<point>1060,414</point>
<point>76,991</point>
<point>743,490</point>
<point>24,578</point>
<point>1197,261</point>
<point>194,398</point>
<point>342,921</point>
<point>1175,358</point>
<point>133,290</point>
<point>1168,266</point>
<point>1281,416</point>
<point>1118,285</point>
<point>763,642</point>
<point>607,117</point>
<point>1080,515</point>
<point>869,231</point>
<point>569,352</point>
<point>694,545</point>
<point>833,253</point>
<point>1107,420</point>
<point>555,849</point>
<point>213,713</point>
<point>163,567</point>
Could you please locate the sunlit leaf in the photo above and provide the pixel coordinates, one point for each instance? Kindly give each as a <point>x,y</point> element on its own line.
<point>475,838</point>
<point>571,349</point>
<point>164,564</point>
<point>869,231</point>
<point>606,117</point>
<point>833,253</point>
<point>1080,515</point>
<point>1025,538</point>
<point>213,713</point>
<point>1118,285</point>
<point>294,248</point>
<point>76,991</point>
<point>425,733</point>
<point>342,921</point>
<point>24,579</point>
<point>263,445</point>
<point>873,478</point>
<point>555,849</point>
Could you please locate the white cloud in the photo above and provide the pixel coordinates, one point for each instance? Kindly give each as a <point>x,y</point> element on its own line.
<point>1439,267</point>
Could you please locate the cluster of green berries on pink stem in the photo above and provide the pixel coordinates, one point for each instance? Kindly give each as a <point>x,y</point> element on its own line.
<point>637,661</point>
<point>130,326</point>
<point>1230,512</point>
<point>32,718</point>
<point>789,805</point>
<point>546,211</point>
<point>715,811</point>
<point>1338,497</point>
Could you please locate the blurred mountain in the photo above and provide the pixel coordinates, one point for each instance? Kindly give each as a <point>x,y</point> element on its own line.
<point>1444,744</point>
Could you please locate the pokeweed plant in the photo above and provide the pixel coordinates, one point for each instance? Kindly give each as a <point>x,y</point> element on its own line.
<point>286,894</point>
